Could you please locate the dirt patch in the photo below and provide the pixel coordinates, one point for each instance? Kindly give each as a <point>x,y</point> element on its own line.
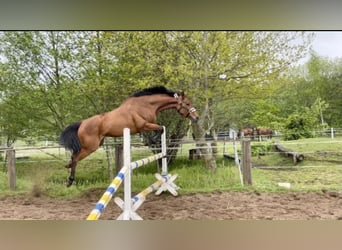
<point>213,206</point>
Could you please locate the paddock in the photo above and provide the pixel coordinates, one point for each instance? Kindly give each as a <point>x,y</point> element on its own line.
<point>261,203</point>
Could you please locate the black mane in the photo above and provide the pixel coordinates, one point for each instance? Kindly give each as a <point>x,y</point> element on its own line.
<point>154,91</point>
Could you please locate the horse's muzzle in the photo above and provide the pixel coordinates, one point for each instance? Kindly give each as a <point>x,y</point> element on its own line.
<point>194,119</point>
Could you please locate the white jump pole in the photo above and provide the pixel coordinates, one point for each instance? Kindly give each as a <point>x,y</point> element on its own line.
<point>130,204</point>
<point>164,160</point>
<point>164,183</point>
<point>126,215</point>
<point>127,205</point>
<point>237,161</point>
<point>168,180</point>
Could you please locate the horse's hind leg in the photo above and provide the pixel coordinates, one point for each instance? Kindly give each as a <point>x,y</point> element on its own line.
<point>74,159</point>
<point>72,166</point>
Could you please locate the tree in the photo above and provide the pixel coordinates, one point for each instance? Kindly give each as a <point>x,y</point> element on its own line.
<point>304,123</point>
<point>324,77</point>
<point>14,107</point>
<point>266,114</point>
<point>221,65</point>
<point>40,64</point>
<point>315,85</point>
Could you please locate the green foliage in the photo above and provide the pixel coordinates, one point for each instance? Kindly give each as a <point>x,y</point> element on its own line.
<point>261,148</point>
<point>304,124</point>
<point>299,126</point>
<point>63,77</point>
<point>315,85</point>
<point>266,114</point>
<point>22,185</point>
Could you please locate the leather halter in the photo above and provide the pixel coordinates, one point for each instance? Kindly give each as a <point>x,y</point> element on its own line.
<point>184,106</point>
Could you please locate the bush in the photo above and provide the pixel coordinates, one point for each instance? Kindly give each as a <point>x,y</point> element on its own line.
<point>261,148</point>
<point>300,126</point>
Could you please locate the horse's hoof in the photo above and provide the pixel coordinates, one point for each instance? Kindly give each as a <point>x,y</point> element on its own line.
<point>70,181</point>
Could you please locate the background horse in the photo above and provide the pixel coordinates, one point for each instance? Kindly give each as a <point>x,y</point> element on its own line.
<point>246,132</point>
<point>265,132</point>
<point>138,113</point>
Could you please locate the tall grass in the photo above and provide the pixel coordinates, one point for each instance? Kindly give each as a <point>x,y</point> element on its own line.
<point>22,185</point>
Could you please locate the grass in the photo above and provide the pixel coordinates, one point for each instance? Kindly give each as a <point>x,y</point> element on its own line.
<point>321,169</point>
<point>42,174</point>
<point>301,178</point>
<point>22,185</point>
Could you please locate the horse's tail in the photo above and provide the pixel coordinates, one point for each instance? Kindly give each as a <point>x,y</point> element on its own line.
<point>69,138</point>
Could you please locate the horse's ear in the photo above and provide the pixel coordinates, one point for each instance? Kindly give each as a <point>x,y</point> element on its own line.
<point>183,93</point>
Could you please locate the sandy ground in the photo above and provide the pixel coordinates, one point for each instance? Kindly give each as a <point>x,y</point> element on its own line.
<point>326,205</point>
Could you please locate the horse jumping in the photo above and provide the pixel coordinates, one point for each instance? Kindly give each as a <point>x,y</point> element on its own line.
<point>138,113</point>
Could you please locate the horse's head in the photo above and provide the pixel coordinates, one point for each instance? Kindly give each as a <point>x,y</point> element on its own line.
<point>185,108</point>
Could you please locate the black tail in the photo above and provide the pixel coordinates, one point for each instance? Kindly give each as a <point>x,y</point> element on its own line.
<point>69,138</point>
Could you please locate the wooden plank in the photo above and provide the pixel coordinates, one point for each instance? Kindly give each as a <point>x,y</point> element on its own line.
<point>296,156</point>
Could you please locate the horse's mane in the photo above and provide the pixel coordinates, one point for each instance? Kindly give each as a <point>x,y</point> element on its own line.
<point>154,91</point>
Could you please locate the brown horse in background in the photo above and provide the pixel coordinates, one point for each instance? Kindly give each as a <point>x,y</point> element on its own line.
<point>246,132</point>
<point>265,132</point>
<point>138,113</point>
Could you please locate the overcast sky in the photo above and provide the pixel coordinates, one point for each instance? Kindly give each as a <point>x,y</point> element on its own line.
<point>328,43</point>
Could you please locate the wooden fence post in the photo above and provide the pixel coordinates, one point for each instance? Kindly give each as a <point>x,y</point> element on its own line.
<point>11,168</point>
<point>109,160</point>
<point>246,162</point>
<point>118,157</point>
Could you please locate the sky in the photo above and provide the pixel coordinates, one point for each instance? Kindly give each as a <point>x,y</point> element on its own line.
<point>328,44</point>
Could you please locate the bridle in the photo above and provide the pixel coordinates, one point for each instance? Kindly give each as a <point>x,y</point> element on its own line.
<point>184,106</point>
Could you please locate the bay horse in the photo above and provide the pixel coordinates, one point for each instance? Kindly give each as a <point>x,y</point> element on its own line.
<point>246,132</point>
<point>266,132</point>
<point>138,113</point>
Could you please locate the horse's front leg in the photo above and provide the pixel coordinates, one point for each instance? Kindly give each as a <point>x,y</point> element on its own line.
<point>153,127</point>
<point>159,130</point>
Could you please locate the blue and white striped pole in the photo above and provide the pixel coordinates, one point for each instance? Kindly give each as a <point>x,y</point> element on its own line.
<point>145,161</point>
<point>106,197</point>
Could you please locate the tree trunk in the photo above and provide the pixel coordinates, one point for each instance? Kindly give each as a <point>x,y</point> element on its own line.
<point>206,147</point>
